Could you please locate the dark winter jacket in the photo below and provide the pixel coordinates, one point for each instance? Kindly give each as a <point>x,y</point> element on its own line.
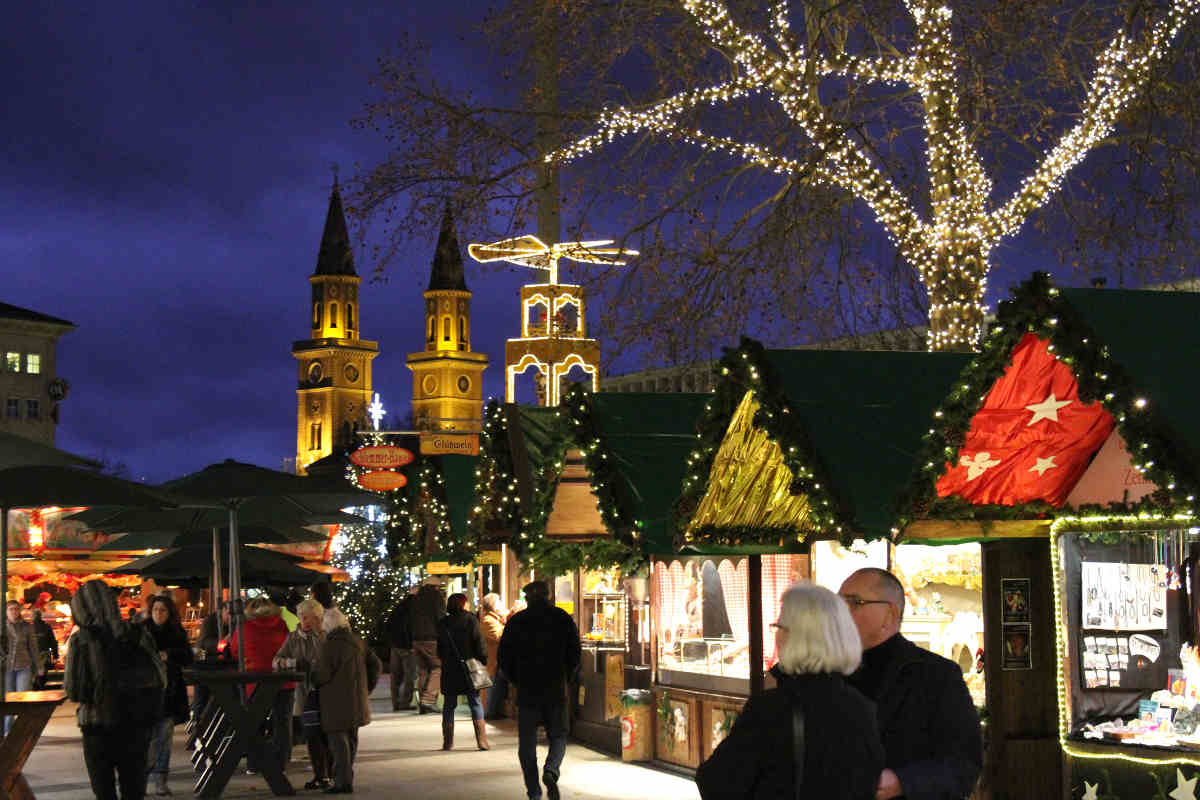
<point>928,723</point>
<point>172,640</point>
<point>425,608</point>
<point>345,673</point>
<point>44,634</point>
<point>22,646</point>
<point>463,629</point>
<point>91,679</point>
<point>399,631</point>
<point>539,654</point>
<point>842,753</point>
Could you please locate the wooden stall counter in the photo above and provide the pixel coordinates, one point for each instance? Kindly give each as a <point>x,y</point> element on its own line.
<point>32,711</point>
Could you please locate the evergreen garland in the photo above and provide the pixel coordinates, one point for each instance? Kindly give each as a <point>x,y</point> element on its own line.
<point>1037,307</point>
<point>739,371</point>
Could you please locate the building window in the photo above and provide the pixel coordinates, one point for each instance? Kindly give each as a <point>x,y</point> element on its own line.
<point>333,315</point>
<point>12,362</point>
<point>446,329</point>
<point>316,315</point>
<point>13,410</point>
<point>33,409</point>
<point>314,436</point>
<point>430,336</point>
<point>33,363</point>
<point>462,333</point>
<point>350,316</point>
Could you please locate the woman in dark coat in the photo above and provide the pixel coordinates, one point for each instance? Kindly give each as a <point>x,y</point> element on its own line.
<point>344,675</point>
<point>170,640</point>
<point>817,644</point>
<point>460,638</point>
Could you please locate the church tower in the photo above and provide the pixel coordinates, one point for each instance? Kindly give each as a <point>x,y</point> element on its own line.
<point>334,364</point>
<point>447,376</point>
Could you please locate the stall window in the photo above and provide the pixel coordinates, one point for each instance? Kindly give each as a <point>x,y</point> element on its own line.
<point>1132,667</point>
<point>703,630</point>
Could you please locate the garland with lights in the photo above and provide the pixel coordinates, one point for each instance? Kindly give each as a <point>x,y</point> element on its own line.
<point>950,250</point>
<point>498,500</point>
<point>747,369</point>
<point>417,510</point>
<point>1037,307</point>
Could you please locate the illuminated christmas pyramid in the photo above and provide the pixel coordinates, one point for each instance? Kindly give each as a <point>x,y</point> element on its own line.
<point>553,331</point>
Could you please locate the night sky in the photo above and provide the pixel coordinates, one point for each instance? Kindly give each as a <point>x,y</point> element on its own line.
<point>167,169</point>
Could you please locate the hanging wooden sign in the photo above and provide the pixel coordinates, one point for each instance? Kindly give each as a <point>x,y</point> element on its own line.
<point>382,480</point>
<point>381,457</point>
<point>460,444</point>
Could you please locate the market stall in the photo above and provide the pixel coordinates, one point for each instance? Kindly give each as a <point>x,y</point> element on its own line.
<point>1071,442</point>
<point>796,448</point>
<point>581,491</point>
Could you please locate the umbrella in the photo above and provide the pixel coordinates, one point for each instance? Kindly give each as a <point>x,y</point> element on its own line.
<point>249,534</point>
<point>259,567</point>
<point>267,512</point>
<point>232,485</point>
<point>46,485</point>
<point>17,451</point>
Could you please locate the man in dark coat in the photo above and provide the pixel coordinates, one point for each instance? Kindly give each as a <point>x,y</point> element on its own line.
<point>47,647</point>
<point>929,724</point>
<point>424,611</point>
<point>540,652</point>
<point>401,663</point>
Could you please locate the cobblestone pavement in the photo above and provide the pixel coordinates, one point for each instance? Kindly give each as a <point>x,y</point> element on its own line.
<point>399,756</point>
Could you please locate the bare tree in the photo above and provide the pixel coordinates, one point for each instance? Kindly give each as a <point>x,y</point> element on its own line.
<point>842,154</point>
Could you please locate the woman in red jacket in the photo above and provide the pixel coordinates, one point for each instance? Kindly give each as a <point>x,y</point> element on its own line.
<point>264,633</point>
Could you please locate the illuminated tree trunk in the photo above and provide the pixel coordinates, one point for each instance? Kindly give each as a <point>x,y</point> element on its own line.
<point>955,281</point>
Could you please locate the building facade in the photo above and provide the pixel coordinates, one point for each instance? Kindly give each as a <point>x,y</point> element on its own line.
<point>447,375</point>
<point>334,364</point>
<point>29,381</point>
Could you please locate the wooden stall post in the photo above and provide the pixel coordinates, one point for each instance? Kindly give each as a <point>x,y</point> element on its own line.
<point>756,625</point>
<point>1022,702</point>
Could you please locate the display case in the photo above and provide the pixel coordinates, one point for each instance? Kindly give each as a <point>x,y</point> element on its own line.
<point>604,611</point>
<point>702,618</point>
<point>1127,642</point>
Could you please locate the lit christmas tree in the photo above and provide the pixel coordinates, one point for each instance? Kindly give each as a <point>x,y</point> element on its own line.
<point>376,584</point>
<point>948,235</point>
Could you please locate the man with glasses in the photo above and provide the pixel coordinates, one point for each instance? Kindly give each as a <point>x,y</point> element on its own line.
<point>929,724</point>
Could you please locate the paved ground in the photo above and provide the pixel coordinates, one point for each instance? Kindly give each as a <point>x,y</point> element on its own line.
<point>399,755</point>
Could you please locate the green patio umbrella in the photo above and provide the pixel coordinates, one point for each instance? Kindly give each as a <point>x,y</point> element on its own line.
<point>232,485</point>
<point>249,534</point>
<point>192,564</point>
<point>43,485</point>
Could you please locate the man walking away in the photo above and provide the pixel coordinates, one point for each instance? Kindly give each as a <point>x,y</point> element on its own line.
<point>401,662</point>
<point>539,652</point>
<point>424,611</point>
<point>929,725</point>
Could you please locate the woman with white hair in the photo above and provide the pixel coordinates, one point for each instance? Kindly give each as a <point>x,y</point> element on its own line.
<point>299,653</point>
<point>840,755</point>
<point>345,674</point>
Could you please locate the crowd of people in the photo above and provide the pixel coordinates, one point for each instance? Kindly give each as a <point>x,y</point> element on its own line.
<point>856,711</point>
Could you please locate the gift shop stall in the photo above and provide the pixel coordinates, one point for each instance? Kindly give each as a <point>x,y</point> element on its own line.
<point>1068,454</point>
<point>796,448</point>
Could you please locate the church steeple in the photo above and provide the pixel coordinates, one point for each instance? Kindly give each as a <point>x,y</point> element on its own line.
<point>447,272</point>
<point>447,376</point>
<point>334,386</point>
<point>335,256</point>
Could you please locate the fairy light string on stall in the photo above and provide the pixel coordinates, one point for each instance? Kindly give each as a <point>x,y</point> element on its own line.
<point>950,250</point>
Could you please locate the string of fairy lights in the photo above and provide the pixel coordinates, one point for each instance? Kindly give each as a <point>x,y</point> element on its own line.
<point>950,251</point>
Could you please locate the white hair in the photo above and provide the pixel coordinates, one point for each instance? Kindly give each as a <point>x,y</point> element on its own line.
<point>334,619</point>
<point>821,635</point>
<point>309,607</point>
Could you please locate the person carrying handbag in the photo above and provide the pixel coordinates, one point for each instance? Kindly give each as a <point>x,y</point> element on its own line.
<point>299,652</point>
<point>460,642</point>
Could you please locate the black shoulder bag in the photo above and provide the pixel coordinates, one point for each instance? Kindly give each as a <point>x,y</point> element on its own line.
<point>798,748</point>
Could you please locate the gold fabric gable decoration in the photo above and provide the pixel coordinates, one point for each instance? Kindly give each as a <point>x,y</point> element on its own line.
<point>748,484</point>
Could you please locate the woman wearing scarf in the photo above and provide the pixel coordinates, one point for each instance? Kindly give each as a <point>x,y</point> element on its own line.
<point>299,652</point>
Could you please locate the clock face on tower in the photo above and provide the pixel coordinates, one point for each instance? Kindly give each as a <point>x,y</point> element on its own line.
<point>333,290</point>
<point>351,373</point>
<point>429,384</point>
<point>464,384</point>
<point>315,372</point>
